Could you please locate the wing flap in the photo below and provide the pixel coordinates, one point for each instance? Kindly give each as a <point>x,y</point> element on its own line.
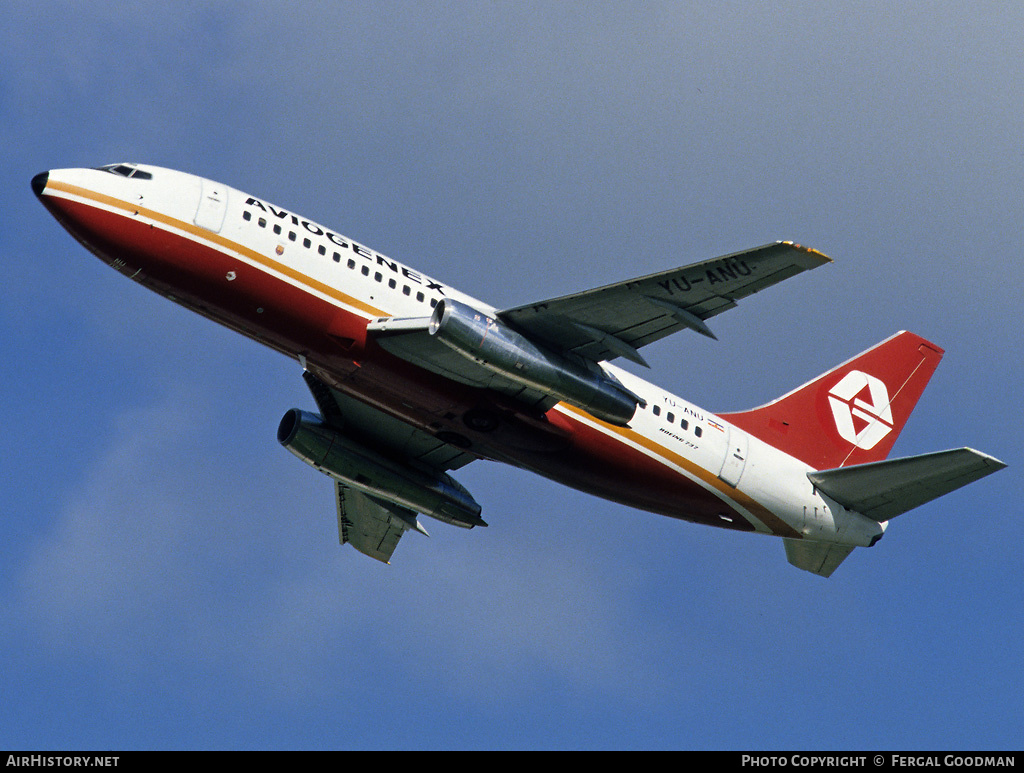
<point>883,490</point>
<point>639,311</point>
<point>371,526</point>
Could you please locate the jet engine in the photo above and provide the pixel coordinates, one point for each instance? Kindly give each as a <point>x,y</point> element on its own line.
<point>495,346</point>
<point>327,449</point>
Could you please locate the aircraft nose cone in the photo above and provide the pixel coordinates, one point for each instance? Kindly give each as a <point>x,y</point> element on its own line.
<point>39,183</point>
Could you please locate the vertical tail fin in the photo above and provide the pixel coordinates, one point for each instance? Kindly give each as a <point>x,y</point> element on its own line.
<point>852,414</point>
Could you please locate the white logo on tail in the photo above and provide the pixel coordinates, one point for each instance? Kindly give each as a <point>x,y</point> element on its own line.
<point>849,410</point>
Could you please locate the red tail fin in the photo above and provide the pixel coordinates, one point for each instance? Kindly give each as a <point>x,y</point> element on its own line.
<point>853,413</point>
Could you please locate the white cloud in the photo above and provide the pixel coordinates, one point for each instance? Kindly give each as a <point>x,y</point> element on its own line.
<point>162,557</point>
<point>520,154</point>
<point>115,556</point>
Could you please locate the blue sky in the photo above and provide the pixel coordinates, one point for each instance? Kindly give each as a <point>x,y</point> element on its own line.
<point>170,576</point>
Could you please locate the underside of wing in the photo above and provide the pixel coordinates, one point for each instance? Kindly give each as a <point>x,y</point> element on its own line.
<point>371,526</point>
<point>619,319</point>
<point>381,431</point>
<point>385,471</point>
<point>411,340</point>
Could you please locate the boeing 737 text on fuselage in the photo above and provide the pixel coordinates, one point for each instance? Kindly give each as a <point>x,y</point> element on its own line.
<point>413,379</point>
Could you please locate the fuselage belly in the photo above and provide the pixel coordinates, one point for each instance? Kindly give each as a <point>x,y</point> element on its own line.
<point>309,292</point>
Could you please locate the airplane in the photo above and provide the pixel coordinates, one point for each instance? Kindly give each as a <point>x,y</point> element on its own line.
<point>413,379</point>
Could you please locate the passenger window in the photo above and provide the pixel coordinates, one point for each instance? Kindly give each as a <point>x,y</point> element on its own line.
<point>366,270</point>
<point>419,297</point>
<point>262,222</point>
<point>406,290</point>
<point>277,228</point>
<point>377,277</point>
<point>698,431</point>
<point>684,424</point>
<point>670,417</point>
<point>291,236</point>
<point>351,263</point>
<point>322,250</point>
<point>656,410</point>
<point>247,215</point>
<point>392,284</point>
<point>433,302</point>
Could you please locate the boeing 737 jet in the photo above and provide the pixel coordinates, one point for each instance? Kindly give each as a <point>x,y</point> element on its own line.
<point>413,379</point>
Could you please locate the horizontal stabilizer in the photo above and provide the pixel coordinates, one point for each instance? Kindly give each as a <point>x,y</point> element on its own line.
<point>817,557</point>
<point>883,490</point>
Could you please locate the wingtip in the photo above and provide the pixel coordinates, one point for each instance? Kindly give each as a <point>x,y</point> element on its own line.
<point>989,460</point>
<point>821,257</point>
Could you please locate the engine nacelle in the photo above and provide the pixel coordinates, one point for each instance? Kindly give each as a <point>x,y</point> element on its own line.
<point>492,344</point>
<point>322,446</point>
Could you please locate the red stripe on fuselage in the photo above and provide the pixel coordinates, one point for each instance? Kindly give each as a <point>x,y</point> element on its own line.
<point>600,462</point>
<point>704,492</point>
<point>191,266</point>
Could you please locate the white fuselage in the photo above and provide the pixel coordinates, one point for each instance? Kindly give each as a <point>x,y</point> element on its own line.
<point>310,292</point>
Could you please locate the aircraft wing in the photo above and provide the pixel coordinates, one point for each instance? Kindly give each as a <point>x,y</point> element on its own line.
<point>547,352</point>
<point>371,524</point>
<point>410,340</point>
<point>383,432</point>
<point>618,319</point>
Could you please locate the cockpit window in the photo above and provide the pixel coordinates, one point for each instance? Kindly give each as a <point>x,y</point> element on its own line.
<point>124,170</point>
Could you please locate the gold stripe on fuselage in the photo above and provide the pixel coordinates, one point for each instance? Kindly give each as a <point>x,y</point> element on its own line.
<point>204,235</point>
<point>774,524</point>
